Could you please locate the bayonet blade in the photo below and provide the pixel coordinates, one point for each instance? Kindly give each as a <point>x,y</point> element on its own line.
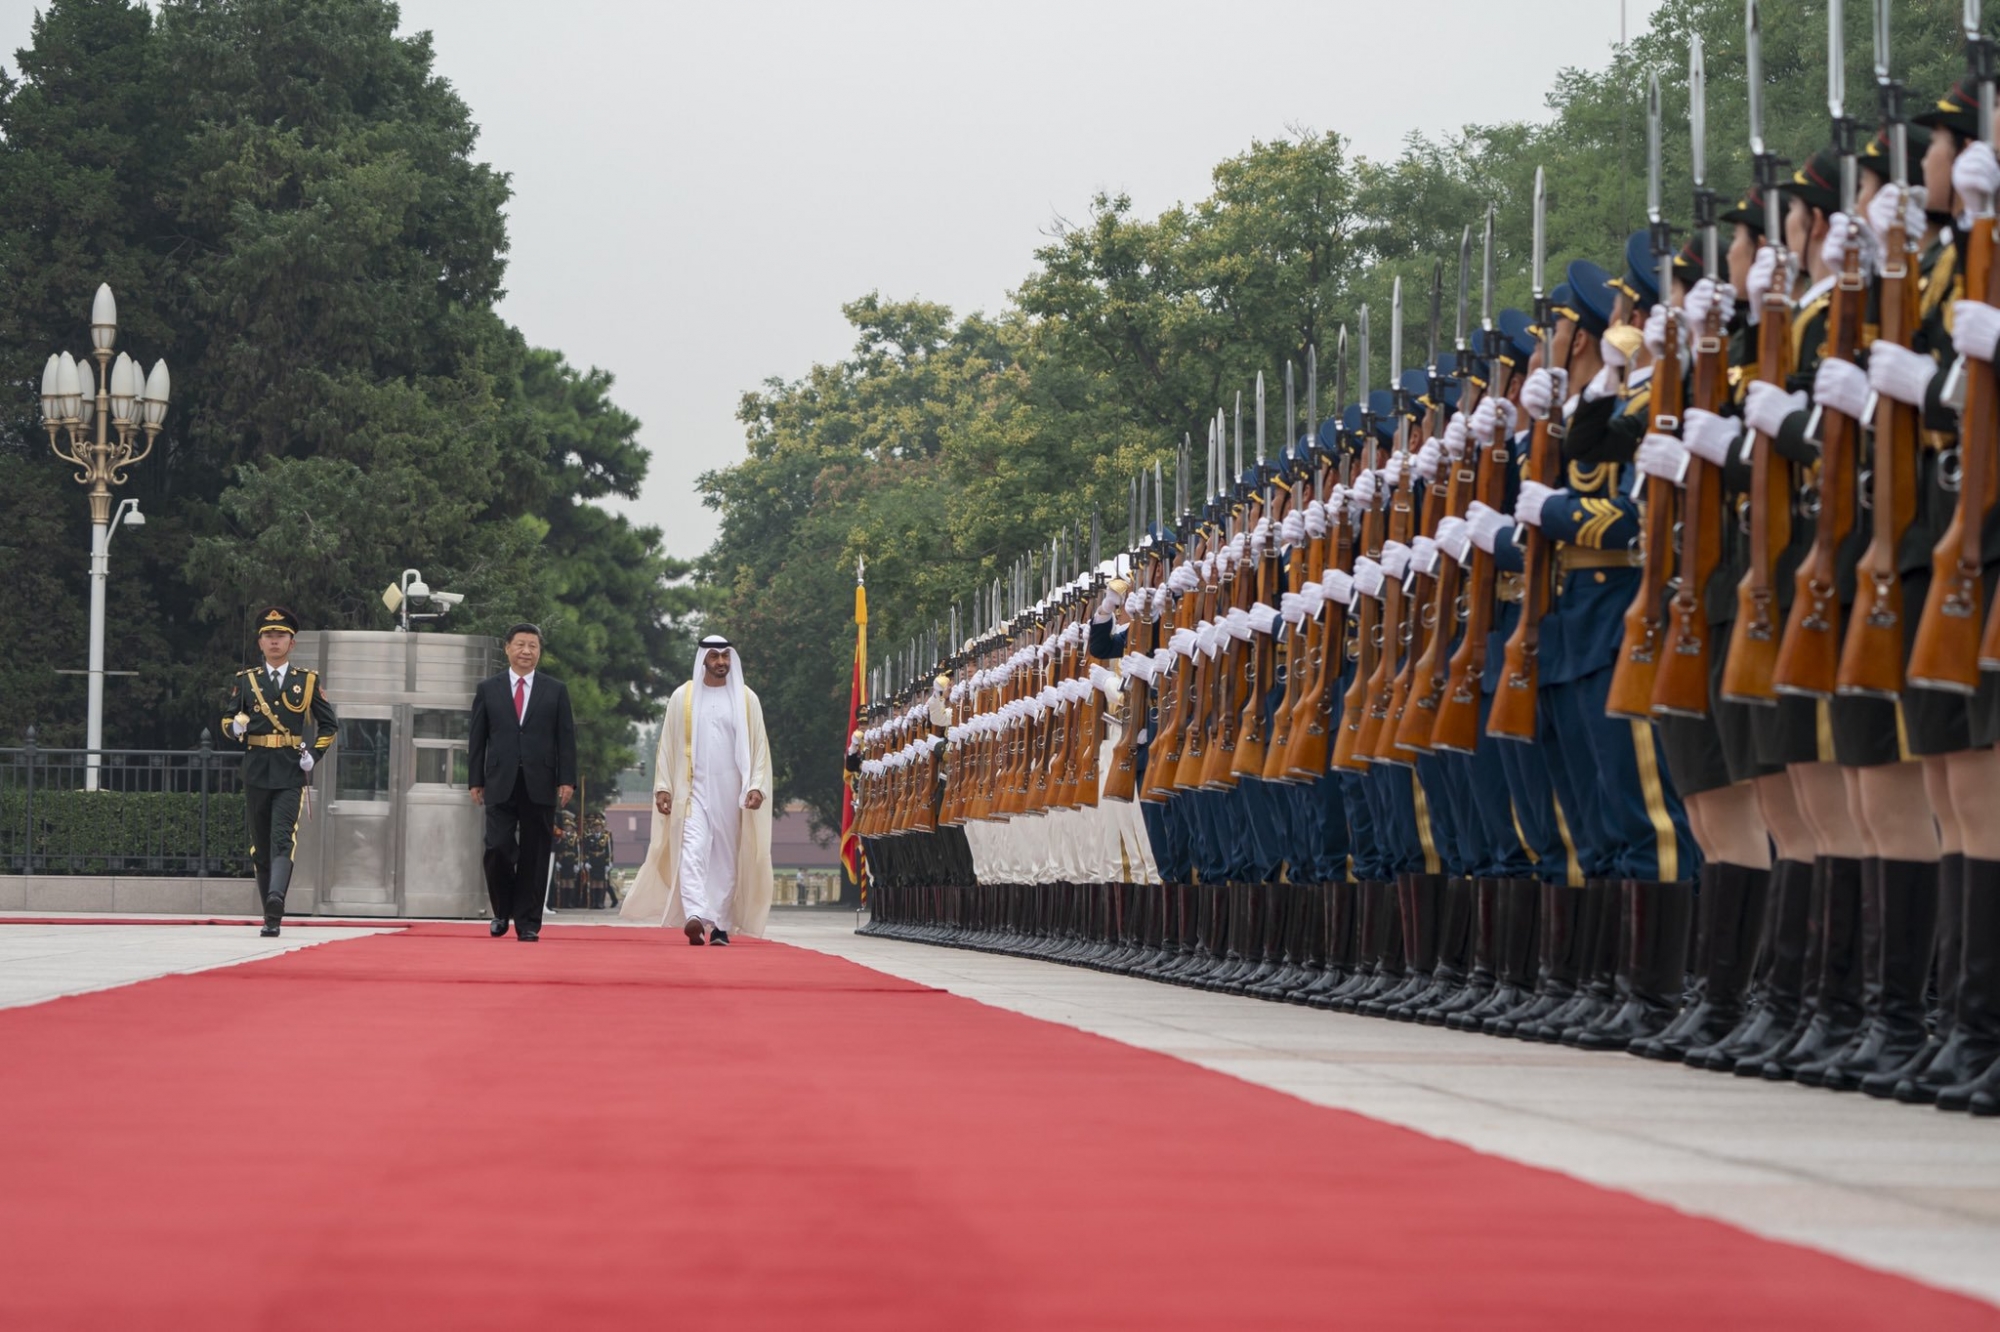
<point>1698,111</point>
<point>1541,211</point>
<point>1312,390</point>
<point>1753,73</point>
<point>1132,513</point>
<point>1836,61</point>
<point>1882,41</point>
<point>1396,335</point>
<point>1437,311</point>
<point>1291,410</point>
<point>1339,378</point>
<point>1486,274</point>
<point>1159,492</point>
<point>1260,422</point>
<point>1653,149</point>
<point>1464,290</point>
<point>1362,363</point>
<point>1237,473</point>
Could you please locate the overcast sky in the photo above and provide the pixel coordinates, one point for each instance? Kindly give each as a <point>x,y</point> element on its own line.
<point>698,187</point>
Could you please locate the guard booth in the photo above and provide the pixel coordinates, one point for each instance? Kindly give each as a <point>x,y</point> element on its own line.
<point>393,830</point>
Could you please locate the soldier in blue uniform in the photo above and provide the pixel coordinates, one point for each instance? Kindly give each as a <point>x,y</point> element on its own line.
<point>280,714</point>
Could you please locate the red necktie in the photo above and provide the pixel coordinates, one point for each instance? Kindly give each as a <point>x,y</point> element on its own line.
<point>520,697</point>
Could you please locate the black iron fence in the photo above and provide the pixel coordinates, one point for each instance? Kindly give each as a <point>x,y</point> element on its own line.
<point>176,812</point>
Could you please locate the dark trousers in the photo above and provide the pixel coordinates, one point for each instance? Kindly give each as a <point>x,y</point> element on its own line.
<point>273,822</point>
<point>520,835</point>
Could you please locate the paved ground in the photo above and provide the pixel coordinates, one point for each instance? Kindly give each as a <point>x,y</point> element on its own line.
<point>1903,1188</point>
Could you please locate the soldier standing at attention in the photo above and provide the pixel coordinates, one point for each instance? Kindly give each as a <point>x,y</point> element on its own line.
<point>283,719</point>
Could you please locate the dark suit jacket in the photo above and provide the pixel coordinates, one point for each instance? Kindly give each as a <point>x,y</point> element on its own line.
<point>538,751</point>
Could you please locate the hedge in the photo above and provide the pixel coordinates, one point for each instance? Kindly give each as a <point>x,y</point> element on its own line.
<point>121,832</point>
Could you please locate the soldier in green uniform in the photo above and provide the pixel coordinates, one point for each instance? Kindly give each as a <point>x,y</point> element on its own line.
<point>282,717</point>
<point>567,894</point>
<point>597,891</point>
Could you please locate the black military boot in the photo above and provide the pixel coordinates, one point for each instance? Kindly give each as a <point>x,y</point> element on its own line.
<point>1894,979</point>
<point>1485,946</point>
<point>1732,917</point>
<point>1562,953</point>
<point>1372,902</point>
<point>1454,947</point>
<point>1750,1063</point>
<point>1836,1008</point>
<point>1773,1005</point>
<point>274,896</point>
<point>1971,1053</point>
<point>1653,979</point>
<point>1284,951</point>
<point>1514,965</point>
<point>1342,945</point>
<point>1419,899</point>
<point>263,885</point>
<point>1388,974</point>
<point>1601,925</point>
<point>1947,953</point>
<point>1316,901</point>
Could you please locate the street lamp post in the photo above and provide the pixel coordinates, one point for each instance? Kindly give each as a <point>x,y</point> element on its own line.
<point>95,422</point>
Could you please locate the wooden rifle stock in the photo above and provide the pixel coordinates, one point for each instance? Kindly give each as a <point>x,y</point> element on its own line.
<point>1432,670</point>
<point>1372,745</point>
<point>1809,654</point>
<point>1513,713</point>
<point>1680,684</point>
<point>1347,750</point>
<point>1176,697</point>
<point>1141,636</point>
<point>1228,674</point>
<point>1750,671</point>
<point>1326,654</point>
<point>1457,726</point>
<point>1638,665</point>
<point>1871,660</point>
<point>1949,648</point>
<point>1260,658</point>
<point>1277,753</point>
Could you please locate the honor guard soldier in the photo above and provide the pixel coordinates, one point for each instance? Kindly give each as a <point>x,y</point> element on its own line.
<point>282,717</point>
<point>597,891</point>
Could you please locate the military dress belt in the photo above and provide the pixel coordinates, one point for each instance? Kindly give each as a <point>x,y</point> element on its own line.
<point>1571,559</point>
<point>273,741</point>
<point>1509,585</point>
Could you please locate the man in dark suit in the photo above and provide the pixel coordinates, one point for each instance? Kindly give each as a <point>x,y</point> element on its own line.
<point>523,757</point>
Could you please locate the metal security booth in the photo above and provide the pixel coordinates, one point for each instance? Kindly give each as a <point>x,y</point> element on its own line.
<point>393,830</point>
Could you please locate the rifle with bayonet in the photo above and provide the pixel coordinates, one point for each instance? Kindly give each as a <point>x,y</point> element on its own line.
<point>1513,713</point>
<point>1252,735</point>
<point>1366,544</point>
<point>1325,633</point>
<point>1399,526</point>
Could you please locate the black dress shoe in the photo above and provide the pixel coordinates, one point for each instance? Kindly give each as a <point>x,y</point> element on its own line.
<point>720,938</point>
<point>528,936</point>
<point>268,932</point>
<point>498,928</point>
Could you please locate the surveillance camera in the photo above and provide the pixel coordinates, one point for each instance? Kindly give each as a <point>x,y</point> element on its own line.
<point>134,518</point>
<point>418,591</point>
<point>448,599</point>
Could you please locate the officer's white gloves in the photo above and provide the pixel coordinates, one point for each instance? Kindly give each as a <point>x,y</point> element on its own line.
<point>1663,456</point>
<point>1656,331</point>
<point>1427,460</point>
<point>1454,538</point>
<point>1709,436</point>
<point>1528,507</point>
<point>1975,329</point>
<point>1489,414</point>
<point>1367,576</point>
<point>1894,203</point>
<point>1423,555</point>
<point>1763,272</point>
<point>1454,437</point>
<point>1484,525</point>
<point>1709,295</point>
<point>1833,251</point>
<point>1975,174</point>
<point>1108,604</point>
<point>237,728</point>
<point>1544,389</point>
<point>1339,584</point>
<point>1392,471</point>
<point>1363,491</point>
<point>1395,559</point>
<point>1841,385</point>
<point>1182,580</point>
<point>305,760</point>
<point>1897,372</point>
<point>1767,406</point>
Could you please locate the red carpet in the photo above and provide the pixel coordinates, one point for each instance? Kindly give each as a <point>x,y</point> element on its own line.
<point>435,1130</point>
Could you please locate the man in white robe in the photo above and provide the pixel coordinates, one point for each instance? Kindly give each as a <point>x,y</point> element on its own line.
<point>708,867</point>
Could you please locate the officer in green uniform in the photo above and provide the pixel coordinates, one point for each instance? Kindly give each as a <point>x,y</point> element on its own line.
<point>282,717</point>
<point>597,865</point>
<point>568,894</point>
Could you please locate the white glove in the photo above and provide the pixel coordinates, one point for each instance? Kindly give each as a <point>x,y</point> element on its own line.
<point>1263,619</point>
<point>1109,603</point>
<point>1427,460</point>
<point>1710,437</point>
<point>1975,329</point>
<point>1392,472</point>
<point>1237,624</point>
<point>1338,503</point>
<point>1834,250</point>
<point>1338,585</point>
<point>1454,437</point>
<point>1891,203</point>
<point>1292,606</point>
<point>1544,389</point>
<point>1656,329</point>
<point>1367,577</point>
<point>1454,538</point>
<point>1767,406</point>
<point>1315,520</point>
<point>1485,525</point>
<point>305,761</point>
<point>237,728</point>
<point>1763,272</point>
<point>1897,372</point>
<point>1182,580</point>
<point>1489,414</point>
<point>1707,295</point>
<point>1423,555</point>
<point>1841,385</point>
<point>1311,597</point>
<point>1976,177</point>
<point>1604,384</point>
<point>1292,532</point>
<point>1363,492</point>
<point>1395,559</point>
<point>1663,456</point>
<point>1528,508</point>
